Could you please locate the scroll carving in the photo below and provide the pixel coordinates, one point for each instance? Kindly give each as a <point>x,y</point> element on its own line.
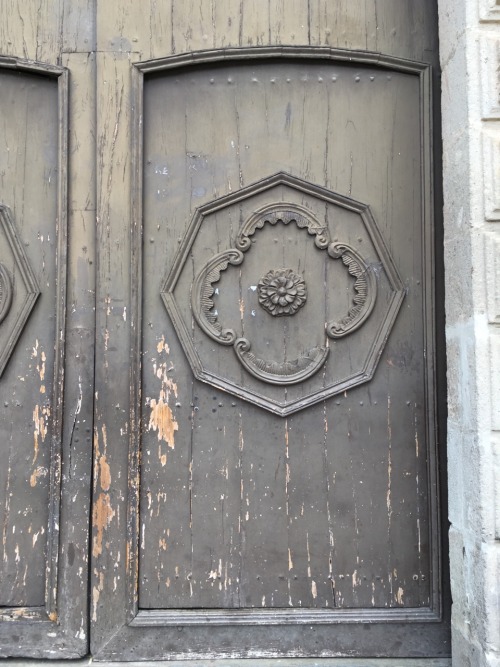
<point>283,373</point>
<point>282,292</point>
<point>365,287</point>
<point>5,292</point>
<point>203,290</point>
<point>284,213</point>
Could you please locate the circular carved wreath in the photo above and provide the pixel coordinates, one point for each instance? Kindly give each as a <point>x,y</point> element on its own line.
<point>282,292</point>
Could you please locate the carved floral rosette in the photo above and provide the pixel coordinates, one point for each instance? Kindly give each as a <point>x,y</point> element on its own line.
<point>282,292</point>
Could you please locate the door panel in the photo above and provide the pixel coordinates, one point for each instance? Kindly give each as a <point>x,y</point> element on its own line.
<point>277,510</point>
<point>251,525</point>
<point>36,619</point>
<point>27,345</point>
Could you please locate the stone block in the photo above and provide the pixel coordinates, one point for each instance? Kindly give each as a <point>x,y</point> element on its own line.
<point>496,487</point>
<point>489,60</point>
<point>492,659</point>
<point>464,652</point>
<point>492,263</point>
<point>491,167</point>
<point>489,10</point>
<point>491,558</point>
<point>495,380</point>
<point>475,572</point>
<point>457,563</point>
<point>462,385</point>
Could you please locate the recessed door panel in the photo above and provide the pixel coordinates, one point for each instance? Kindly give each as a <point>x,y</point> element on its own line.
<point>36,620</point>
<point>28,247</point>
<point>261,267</point>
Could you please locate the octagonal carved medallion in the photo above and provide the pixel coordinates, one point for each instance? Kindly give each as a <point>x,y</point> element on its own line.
<point>330,270</point>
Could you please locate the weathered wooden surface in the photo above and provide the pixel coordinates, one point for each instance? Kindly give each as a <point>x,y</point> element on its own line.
<point>198,445</point>
<point>193,445</point>
<point>80,336</point>
<point>43,30</point>
<point>47,454</point>
<point>286,515</point>
<point>31,141</point>
<point>290,662</point>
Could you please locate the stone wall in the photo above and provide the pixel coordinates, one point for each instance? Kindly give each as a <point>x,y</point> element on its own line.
<point>470,60</point>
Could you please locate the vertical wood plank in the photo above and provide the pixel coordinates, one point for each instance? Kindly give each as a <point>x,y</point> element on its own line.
<point>124,28</point>
<point>80,327</point>
<point>311,530</point>
<point>192,26</point>
<point>400,28</point>
<point>255,23</point>
<point>109,513</point>
<point>78,26</point>
<point>227,22</point>
<point>45,23</point>
<point>162,31</point>
<point>289,21</point>
<point>343,24</point>
<point>31,29</point>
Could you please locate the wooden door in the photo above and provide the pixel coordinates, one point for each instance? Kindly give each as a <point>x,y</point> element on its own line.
<point>46,339</point>
<point>258,178</point>
<point>267,485</point>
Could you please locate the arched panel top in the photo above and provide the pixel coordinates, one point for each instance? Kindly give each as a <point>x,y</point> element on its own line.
<point>212,56</point>
<point>31,66</point>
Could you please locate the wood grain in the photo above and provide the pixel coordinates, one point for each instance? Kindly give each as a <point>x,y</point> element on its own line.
<point>45,511</point>
<point>207,522</point>
<point>231,507</point>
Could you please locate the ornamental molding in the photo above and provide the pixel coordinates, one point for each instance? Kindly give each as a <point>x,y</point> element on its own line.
<point>282,292</point>
<point>5,292</point>
<point>17,295</point>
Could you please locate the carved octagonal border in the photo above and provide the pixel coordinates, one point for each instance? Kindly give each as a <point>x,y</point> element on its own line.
<point>323,194</point>
<point>7,227</point>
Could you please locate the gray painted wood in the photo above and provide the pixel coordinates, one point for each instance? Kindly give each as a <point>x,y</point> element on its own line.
<point>47,383</point>
<point>302,532</point>
<point>293,523</point>
<point>183,511</point>
<point>267,467</point>
<point>25,474</point>
<point>276,662</point>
